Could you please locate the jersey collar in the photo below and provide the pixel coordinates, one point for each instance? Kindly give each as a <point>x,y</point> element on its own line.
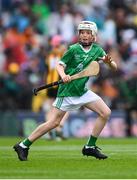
<point>86,51</point>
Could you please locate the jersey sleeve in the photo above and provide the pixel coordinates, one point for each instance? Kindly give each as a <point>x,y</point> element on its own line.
<point>67,57</point>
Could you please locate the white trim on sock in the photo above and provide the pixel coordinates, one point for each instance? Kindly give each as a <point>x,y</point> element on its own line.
<point>22,145</point>
<point>89,147</point>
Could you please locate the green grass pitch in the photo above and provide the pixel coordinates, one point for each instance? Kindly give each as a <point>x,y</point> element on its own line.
<point>63,160</point>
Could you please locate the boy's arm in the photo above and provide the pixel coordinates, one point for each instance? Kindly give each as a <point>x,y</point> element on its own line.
<point>107,60</point>
<point>60,68</point>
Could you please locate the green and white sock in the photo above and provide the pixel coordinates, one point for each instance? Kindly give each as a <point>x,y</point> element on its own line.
<point>26,143</point>
<point>91,141</point>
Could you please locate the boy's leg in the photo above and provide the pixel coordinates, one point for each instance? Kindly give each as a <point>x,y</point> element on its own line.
<point>104,112</point>
<point>59,129</point>
<point>49,103</point>
<point>53,121</point>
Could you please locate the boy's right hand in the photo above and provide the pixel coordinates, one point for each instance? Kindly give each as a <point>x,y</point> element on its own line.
<point>66,78</point>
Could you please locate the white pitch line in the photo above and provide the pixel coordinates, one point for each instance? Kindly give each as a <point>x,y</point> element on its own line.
<point>115,149</point>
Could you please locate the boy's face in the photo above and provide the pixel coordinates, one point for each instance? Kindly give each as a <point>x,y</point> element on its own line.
<point>85,37</point>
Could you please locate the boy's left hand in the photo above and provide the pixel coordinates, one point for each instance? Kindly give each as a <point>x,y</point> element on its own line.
<point>107,59</point>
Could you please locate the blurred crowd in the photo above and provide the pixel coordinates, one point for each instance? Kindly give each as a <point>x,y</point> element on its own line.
<point>35,33</point>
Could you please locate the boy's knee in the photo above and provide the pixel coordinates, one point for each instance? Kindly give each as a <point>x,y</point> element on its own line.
<point>106,113</point>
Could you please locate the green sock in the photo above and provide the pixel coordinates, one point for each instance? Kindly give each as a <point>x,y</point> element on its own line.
<point>92,141</point>
<point>27,142</point>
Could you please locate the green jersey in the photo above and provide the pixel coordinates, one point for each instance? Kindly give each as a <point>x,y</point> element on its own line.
<point>75,60</point>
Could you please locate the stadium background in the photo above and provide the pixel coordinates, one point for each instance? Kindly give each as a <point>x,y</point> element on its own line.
<point>28,31</point>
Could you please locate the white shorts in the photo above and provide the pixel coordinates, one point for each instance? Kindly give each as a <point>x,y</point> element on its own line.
<point>74,103</point>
